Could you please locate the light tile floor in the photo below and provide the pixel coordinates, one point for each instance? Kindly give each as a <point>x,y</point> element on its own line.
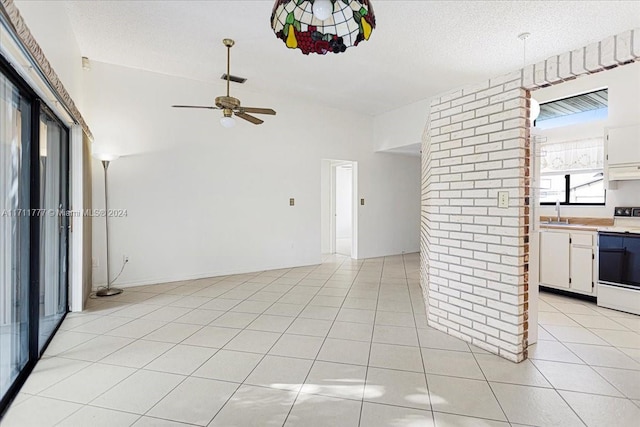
<point>344,344</point>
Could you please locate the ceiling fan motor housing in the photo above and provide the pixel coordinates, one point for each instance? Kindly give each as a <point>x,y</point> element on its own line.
<point>227,102</point>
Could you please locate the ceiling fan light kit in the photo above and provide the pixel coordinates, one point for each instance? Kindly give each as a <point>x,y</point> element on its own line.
<point>322,26</point>
<point>227,121</point>
<point>229,105</point>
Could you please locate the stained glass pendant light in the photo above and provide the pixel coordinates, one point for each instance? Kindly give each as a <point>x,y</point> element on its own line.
<point>322,26</point>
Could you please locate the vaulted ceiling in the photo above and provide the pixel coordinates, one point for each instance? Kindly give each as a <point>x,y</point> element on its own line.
<point>420,48</point>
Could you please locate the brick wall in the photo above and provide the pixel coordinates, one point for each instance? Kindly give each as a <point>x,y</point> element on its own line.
<point>474,255</point>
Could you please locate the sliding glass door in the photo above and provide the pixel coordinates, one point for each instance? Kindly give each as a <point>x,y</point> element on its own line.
<point>15,159</point>
<point>53,225</point>
<point>34,229</point>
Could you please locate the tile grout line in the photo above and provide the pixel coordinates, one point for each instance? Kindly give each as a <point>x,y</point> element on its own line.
<point>561,397</point>
<point>592,368</point>
<point>222,348</point>
<point>373,331</point>
<point>433,417</point>
<point>282,334</point>
<point>475,358</point>
<point>142,368</point>
<point>128,304</point>
<point>320,349</point>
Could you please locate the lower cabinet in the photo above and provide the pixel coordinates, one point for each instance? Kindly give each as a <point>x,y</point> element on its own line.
<point>555,259</point>
<point>567,260</point>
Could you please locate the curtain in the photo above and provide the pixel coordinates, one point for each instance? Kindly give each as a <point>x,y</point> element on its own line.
<point>572,156</point>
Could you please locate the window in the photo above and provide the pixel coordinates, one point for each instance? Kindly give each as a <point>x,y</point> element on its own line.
<point>583,108</point>
<point>573,189</point>
<point>572,172</point>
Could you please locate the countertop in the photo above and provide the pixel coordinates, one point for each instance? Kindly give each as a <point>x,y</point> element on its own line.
<point>577,223</point>
<point>574,227</point>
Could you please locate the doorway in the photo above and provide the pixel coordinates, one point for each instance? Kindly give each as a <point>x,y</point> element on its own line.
<point>339,207</point>
<point>34,229</point>
<point>344,209</point>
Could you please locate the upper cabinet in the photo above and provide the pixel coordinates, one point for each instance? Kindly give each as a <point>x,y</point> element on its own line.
<point>622,150</point>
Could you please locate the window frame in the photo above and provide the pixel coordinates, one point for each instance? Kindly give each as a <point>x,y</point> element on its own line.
<point>567,196</point>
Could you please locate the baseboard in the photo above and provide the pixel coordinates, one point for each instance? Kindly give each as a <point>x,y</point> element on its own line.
<point>159,280</point>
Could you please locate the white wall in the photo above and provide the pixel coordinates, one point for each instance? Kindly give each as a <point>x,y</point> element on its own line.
<point>624,109</point>
<point>50,26</point>
<point>344,202</point>
<point>203,200</point>
<point>401,127</point>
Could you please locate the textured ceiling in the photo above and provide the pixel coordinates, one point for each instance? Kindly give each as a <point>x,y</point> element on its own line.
<point>420,48</point>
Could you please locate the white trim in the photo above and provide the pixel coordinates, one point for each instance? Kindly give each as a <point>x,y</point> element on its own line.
<point>332,207</point>
<point>76,288</point>
<point>355,213</point>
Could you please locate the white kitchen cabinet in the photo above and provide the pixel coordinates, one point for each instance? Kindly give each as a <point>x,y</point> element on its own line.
<point>567,260</point>
<point>623,145</point>
<point>554,259</point>
<point>581,269</point>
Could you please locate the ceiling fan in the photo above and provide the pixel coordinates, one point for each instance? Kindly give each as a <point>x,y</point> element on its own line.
<point>229,105</point>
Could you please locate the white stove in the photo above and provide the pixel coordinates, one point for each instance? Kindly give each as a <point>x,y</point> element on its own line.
<point>625,220</point>
<point>621,229</point>
<point>619,262</point>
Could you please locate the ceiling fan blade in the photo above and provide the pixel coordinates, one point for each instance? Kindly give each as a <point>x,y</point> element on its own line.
<point>249,118</point>
<point>195,106</point>
<point>258,110</point>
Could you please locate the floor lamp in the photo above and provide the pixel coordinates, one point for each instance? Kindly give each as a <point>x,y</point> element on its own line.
<point>106,159</point>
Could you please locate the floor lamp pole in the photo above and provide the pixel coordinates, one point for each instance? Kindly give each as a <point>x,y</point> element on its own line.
<point>108,291</point>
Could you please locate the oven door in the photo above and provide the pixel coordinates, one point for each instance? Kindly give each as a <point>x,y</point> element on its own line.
<point>619,259</point>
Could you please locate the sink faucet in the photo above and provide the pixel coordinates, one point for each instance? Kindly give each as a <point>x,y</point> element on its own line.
<point>558,210</point>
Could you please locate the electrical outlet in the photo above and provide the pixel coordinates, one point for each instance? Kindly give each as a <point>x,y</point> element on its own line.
<point>503,199</point>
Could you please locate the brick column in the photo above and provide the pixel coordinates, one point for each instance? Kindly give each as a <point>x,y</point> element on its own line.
<point>475,255</point>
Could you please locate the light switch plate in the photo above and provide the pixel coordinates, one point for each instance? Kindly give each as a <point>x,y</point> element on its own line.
<point>362,202</point>
<point>503,199</point>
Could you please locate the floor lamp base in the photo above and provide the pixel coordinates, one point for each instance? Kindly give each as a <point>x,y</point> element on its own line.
<point>108,292</point>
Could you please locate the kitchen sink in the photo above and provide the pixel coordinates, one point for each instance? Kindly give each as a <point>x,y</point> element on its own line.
<point>565,222</point>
